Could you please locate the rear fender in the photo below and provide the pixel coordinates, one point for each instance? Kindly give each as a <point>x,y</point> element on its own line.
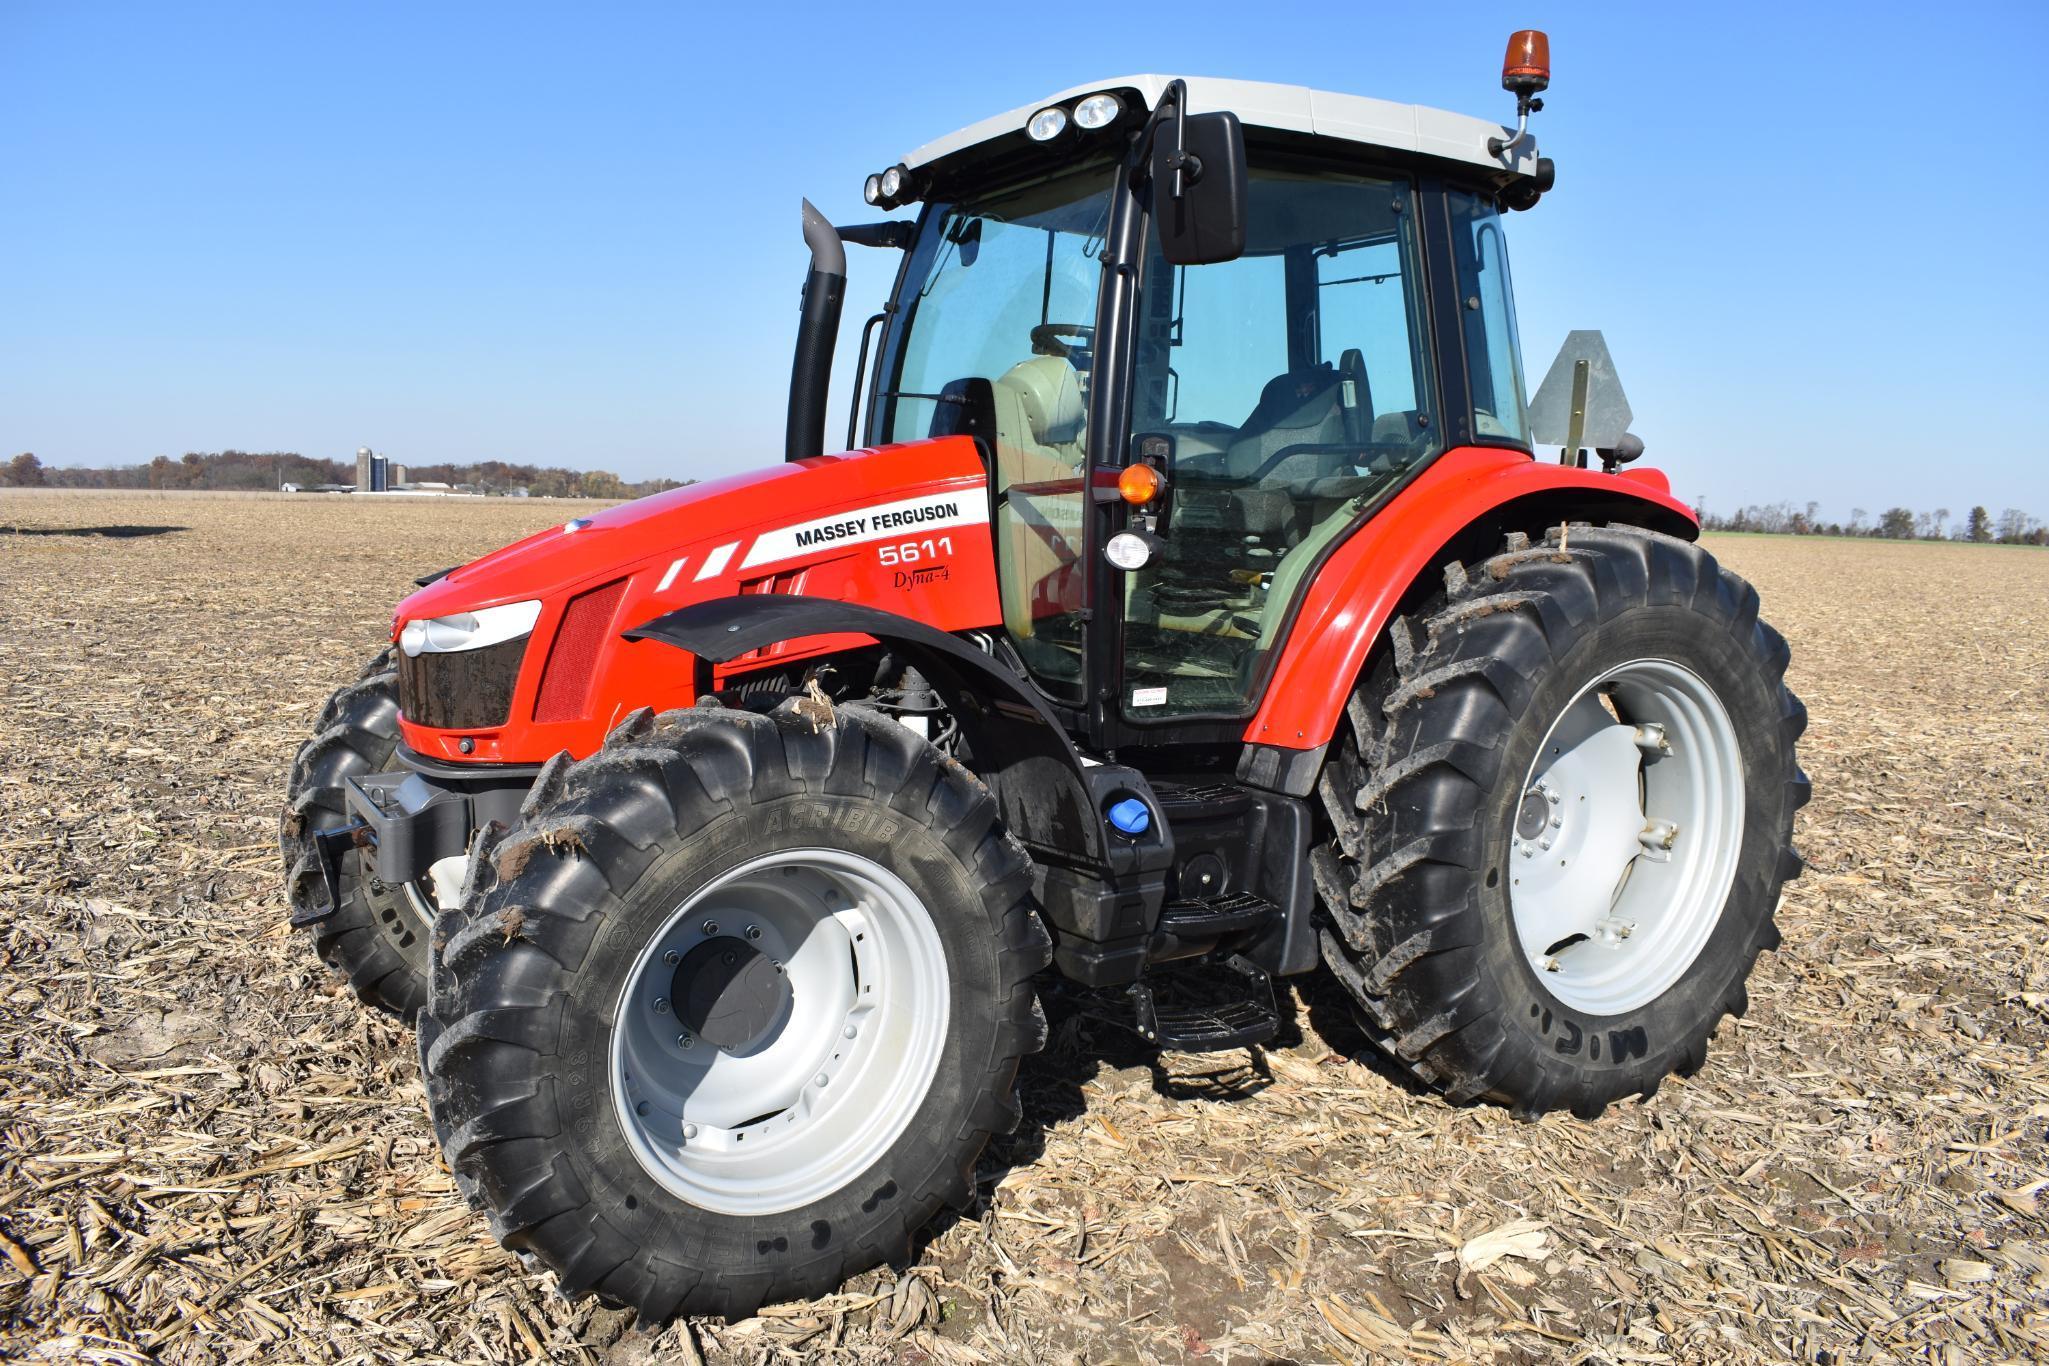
<point>1457,509</point>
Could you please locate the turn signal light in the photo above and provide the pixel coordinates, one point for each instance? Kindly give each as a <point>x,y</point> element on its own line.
<point>1527,67</point>
<point>1138,484</point>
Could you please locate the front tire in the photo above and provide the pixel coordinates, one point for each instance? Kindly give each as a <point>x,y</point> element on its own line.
<point>377,937</point>
<point>831,914</point>
<point>1563,817</point>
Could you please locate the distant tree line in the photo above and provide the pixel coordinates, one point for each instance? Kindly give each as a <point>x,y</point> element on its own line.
<point>259,470</point>
<point>2011,527</point>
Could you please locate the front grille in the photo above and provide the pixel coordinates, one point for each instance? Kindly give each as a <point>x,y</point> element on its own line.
<point>463,690</point>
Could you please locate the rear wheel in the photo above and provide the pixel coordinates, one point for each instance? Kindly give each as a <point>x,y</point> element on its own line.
<point>742,1008</point>
<point>377,937</point>
<point>1563,816</point>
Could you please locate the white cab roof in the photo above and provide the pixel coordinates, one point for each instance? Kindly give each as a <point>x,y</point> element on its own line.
<point>1293,108</point>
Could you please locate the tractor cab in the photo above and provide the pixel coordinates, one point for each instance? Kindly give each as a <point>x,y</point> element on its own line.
<point>1271,348</point>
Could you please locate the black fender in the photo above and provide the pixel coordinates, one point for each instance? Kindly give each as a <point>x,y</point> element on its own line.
<point>1049,798</point>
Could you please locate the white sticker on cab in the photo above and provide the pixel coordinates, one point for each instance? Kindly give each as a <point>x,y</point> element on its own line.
<point>909,516</point>
<point>1148,697</point>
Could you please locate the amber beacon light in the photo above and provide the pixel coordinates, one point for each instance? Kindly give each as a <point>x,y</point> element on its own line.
<point>1526,69</point>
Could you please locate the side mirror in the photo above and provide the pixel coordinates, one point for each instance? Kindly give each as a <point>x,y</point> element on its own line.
<point>1198,173</point>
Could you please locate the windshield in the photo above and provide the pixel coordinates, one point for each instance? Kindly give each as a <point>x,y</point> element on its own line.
<point>1294,385</point>
<point>997,340</point>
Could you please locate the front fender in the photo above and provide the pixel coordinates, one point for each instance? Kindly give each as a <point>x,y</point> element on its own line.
<point>1349,601</point>
<point>1049,798</point>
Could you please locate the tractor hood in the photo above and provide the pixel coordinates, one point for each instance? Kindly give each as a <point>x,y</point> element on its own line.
<point>905,528</point>
<point>727,522</point>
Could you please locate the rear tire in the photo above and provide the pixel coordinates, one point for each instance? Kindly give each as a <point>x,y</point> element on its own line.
<point>556,1068</point>
<point>378,936</point>
<point>1445,812</point>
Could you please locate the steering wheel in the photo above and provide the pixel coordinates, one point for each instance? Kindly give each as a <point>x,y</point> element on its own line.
<point>1046,339</point>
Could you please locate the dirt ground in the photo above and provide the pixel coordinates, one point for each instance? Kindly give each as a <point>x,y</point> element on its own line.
<point>209,1152</point>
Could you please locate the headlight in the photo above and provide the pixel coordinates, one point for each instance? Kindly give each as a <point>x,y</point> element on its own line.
<point>893,182</point>
<point>1097,111</point>
<point>468,630</point>
<point>1046,124</point>
<point>871,189</point>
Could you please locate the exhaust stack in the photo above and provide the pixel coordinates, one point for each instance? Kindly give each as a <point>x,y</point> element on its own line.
<point>825,288</point>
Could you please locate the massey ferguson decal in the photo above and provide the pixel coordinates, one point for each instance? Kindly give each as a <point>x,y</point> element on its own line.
<point>933,512</point>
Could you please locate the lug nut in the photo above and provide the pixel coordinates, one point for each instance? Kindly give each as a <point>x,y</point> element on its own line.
<point>710,927</point>
<point>661,1005</point>
<point>754,931</point>
<point>690,1131</point>
<point>672,958</point>
<point>851,1032</point>
<point>685,1041</point>
<point>822,1079</point>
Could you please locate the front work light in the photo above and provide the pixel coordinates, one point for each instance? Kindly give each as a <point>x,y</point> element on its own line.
<point>893,182</point>
<point>871,189</point>
<point>468,630</point>
<point>1128,550</point>
<point>1097,111</point>
<point>1046,125</point>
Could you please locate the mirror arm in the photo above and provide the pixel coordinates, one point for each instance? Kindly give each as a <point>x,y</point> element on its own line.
<point>1176,95</point>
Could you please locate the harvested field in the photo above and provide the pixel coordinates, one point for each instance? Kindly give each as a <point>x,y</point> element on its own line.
<point>209,1152</point>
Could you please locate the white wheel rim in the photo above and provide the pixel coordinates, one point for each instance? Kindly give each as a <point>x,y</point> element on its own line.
<point>821,1072</point>
<point>1625,838</point>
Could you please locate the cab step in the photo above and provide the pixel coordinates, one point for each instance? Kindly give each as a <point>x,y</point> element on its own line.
<point>1190,1010</point>
<point>1213,917</point>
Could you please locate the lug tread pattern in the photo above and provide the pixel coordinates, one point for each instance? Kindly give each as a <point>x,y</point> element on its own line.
<point>507,960</point>
<point>354,734</point>
<point>1398,881</point>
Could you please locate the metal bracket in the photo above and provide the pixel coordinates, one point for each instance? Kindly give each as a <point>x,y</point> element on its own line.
<point>329,847</point>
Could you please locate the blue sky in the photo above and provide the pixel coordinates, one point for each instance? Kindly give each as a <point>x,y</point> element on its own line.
<point>569,234</point>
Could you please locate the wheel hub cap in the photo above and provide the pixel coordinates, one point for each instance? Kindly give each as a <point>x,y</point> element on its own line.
<point>729,994</point>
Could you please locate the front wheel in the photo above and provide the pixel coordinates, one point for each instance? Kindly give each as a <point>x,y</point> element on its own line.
<point>377,936</point>
<point>743,1007</point>
<point>1563,819</point>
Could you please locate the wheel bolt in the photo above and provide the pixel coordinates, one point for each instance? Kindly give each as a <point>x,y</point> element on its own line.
<point>754,931</point>
<point>710,927</point>
<point>672,958</point>
<point>661,1005</point>
<point>685,1041</point>
<point>851,1032</point>
<point>640,1107</point>
<point>822,1079</point>
<point>690,1131</point>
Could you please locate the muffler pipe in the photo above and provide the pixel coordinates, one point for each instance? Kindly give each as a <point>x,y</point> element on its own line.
<point>825,289</point>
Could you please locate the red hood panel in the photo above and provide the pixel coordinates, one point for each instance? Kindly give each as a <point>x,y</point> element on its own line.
<point>716,511</point>
<point>904,528</point>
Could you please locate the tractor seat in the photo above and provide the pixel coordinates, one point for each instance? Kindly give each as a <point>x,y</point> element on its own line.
<point>1039,418</point>
<point>1040,414</point>
<point>1299,408</point>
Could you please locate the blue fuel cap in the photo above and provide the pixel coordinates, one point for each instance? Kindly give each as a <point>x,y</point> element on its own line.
<point>1131,817</point>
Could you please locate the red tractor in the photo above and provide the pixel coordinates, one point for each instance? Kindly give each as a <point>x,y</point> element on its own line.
<point>1196,611</point>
